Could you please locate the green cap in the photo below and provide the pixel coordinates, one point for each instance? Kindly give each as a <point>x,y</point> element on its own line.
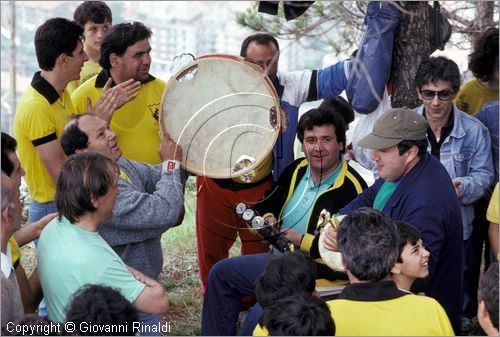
<point>394,126</point>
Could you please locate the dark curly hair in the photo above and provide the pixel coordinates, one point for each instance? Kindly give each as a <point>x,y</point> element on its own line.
<point>368,240</point>
<point>119,37</point>
<point>319,117</point>
<point>101,305</point>
<point>300,314</point>
<point>484,60</point>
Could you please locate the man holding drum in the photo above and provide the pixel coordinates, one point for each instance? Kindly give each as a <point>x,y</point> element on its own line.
<point>216,224</point>
<point>150,198</point>
<point>306,187</point>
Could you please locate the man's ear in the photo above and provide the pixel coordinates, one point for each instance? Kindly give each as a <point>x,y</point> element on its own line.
<point>113,60</point>
<point>483,316</point>
<point>396,269</point>
<point>412,153</point>
<point>61,60</point>
<point>95,202</point>
<point>6,216</point>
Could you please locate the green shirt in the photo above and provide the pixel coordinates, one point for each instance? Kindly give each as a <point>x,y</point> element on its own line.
<point>383,195</point>
<point>70,257</point>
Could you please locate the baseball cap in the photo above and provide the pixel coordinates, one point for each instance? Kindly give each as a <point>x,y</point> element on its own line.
<point>394,126</point>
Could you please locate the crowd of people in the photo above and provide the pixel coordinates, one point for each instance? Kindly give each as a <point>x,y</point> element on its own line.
<point>106,184</point>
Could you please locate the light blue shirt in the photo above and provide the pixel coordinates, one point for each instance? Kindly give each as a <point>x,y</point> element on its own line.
<point>298,209</point>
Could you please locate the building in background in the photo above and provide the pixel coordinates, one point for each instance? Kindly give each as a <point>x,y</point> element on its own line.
<point>196,27</point>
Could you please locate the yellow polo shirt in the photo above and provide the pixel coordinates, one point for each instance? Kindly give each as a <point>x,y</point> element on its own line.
<point>89,70</point>
<point>40,118</point>
<point>136,123</point>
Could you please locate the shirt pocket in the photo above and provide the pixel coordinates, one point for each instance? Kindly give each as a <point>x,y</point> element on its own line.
<point>462,162</point>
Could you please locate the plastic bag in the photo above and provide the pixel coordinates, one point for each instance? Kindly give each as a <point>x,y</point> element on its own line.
<point>363,128</point>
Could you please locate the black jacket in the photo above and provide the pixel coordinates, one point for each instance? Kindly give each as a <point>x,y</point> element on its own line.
<point>344,189</point>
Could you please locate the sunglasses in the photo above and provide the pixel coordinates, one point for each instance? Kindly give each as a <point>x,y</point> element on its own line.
<point>444,95</point>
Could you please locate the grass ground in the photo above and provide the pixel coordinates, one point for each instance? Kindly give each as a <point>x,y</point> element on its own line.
<point>180,271</point>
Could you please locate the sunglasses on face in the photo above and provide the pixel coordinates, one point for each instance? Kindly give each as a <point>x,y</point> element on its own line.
<point>443,95</point>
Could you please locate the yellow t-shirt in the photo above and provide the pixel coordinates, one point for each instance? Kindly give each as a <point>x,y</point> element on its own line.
<point>492,212</point>
<point>408,315</point>
<point>473,95</point>
<point>136,123</point>
<point>89,70</point>
<point>40,118</point>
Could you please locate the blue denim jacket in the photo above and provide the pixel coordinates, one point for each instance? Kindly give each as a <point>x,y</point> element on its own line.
<point>466,155</point>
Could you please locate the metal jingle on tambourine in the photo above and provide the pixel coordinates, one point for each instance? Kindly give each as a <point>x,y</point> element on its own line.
<point>248,214</point>
<point>330,258</point>
<point>240,208</point>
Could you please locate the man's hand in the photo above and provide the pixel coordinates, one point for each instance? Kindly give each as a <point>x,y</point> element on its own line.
<point>169,150</point>
<point>141,277</point>
<point>330,241</point>
<point>45,220</point>
<point>114,98</point>
<point>292,235</point>
<point>270,220</point>
<point>456,184</point>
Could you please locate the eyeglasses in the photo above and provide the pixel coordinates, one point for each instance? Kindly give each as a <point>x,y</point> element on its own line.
<point>444,95</point>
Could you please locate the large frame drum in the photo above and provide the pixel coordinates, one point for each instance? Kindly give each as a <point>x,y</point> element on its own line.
<point>225,114</point>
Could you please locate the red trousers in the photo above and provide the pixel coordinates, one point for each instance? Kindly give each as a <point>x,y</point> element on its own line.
<point>217,224</point>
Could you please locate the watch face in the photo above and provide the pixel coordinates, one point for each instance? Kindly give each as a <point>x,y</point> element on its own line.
<point>240,208</point>
<point>248,214</point>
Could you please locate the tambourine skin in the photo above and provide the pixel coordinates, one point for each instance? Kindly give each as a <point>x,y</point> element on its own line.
<point>219,109</point>
<point>330,258</point>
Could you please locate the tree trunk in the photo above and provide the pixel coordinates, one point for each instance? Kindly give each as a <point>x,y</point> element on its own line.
<point>484,14</point>
<point>482,21</point>
<point>411,45</point>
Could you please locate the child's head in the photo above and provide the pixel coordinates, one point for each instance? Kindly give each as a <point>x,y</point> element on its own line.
<point>413,258</point>
<point>298,315</point>
<point>487,311</point>
<point>95,17</point>
<point>102,306</point>
<point>285,275</point>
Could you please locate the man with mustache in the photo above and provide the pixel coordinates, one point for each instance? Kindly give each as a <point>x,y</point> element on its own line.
<point>125,55</point>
